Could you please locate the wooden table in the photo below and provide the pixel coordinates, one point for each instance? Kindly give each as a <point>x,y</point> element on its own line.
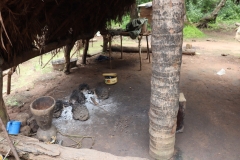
<point>111,33</point>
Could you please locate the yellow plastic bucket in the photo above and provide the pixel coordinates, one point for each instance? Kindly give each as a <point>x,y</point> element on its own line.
<point>110,78</point>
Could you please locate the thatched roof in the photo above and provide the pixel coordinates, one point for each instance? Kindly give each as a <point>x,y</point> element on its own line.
<point>23,20</point>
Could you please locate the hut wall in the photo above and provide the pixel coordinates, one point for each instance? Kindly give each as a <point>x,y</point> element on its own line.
<point>146,13</point>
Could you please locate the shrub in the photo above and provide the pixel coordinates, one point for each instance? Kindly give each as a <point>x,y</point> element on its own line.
<point>190,31</point>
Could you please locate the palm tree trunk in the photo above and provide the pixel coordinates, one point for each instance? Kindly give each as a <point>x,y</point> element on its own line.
<point>168,16</point>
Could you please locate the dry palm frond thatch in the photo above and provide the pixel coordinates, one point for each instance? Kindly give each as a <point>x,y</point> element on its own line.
<point>41,22</point>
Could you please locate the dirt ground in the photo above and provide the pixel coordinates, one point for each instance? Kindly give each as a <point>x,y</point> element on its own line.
<point>213,105</point>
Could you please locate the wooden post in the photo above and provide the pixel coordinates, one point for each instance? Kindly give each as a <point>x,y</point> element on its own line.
<point>3,111</point>
<point>139,47</point>
<point>105,43</point>
<point>84,57</point>
<point>148,52</point>
<point>121,47</point>
<point>9,83</point>
<point>67,52</point>
<point>110,51</point>
<point>11,71</point>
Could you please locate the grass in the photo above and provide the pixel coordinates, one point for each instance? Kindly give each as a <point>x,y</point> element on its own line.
<point>223,25</point>
<point>190,31</point>
<point>11,101</point>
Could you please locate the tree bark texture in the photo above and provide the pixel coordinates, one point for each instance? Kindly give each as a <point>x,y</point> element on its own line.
<point>167,39</point>
<point>67,52</point>
<point>212,17</point>
<point>105,43</point>
<point>134,12</point>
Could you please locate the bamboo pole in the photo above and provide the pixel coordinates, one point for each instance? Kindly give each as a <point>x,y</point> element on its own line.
<point>50,60</point>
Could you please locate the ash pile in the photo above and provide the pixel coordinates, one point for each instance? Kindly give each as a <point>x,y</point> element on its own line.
<point>75,107</point>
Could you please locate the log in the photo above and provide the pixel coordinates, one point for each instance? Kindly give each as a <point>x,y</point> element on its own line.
<point>117,48</point>
<point>31,149</point>
<point>237,24</point>
<point>212,17</point>
<point>189,52</point>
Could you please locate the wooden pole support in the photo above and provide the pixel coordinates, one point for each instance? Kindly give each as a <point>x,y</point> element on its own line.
<point>9,83</point>
<point>11,71</point>
<point>139,47</point>
<point>86,46</point>
<point>148,52</point>
<point>110,51</point>
<point>121,47</point>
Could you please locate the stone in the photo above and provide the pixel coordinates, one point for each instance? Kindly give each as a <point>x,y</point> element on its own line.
<point>80,112</point>
<point>26,130</point>
<point>102,92</point>
<point>58,109</point>
<point>22,117</point>
<point>83,87</point>
<point>47,135</point>
<point>77,97</point>
<point>188,46</point>
<point>32,123</point>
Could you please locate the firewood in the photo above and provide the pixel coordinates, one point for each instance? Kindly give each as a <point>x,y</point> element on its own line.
<point>31,149</point>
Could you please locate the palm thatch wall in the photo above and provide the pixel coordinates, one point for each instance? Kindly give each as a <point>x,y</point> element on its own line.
<point>51,24</point>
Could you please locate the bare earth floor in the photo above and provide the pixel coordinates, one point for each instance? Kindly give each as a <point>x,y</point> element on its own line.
<point>213,105</point>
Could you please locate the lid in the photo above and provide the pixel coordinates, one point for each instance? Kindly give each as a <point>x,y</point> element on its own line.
<point>110,74</point>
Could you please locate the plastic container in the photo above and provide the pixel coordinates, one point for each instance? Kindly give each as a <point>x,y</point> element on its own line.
<point>59,64</point>
<point>110,78</point>
<point>13,127</point>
